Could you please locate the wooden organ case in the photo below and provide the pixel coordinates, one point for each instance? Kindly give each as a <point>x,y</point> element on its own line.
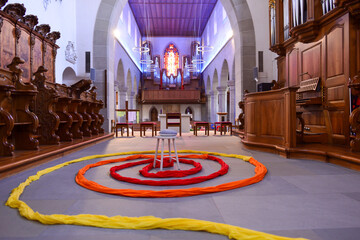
<point>318,47</point>
<point>318,43</point>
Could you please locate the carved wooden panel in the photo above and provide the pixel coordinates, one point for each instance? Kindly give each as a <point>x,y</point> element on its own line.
<point>293,72</point>
<point>314,118</point>
<point>311,62</point>
<point>336,118</point>
<point>335,52</point>
<point>7,43</point>
<point>335,93</point>
<point>251,121</point>
<point>37,54</point>
<point>274,122</point>
<point>24,53</point>
<point>49,63</point>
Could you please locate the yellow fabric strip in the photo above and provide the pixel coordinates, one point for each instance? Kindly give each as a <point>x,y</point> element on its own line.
<point>122,222</point>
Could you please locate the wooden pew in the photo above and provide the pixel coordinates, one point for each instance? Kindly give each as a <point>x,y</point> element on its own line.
<point>61,108</point>
<point>77,93</point>
<point>6,119</point>
<point>43,107</point>
<point>26,122</point>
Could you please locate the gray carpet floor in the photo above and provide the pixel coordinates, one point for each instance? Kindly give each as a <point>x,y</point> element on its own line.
<point>297,198</point>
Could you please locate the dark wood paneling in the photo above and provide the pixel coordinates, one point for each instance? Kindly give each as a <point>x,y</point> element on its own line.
<point>24,53</point>
<point>37,54</point>
<point>270,118</point>
<point>7,43</point>
<point>293,65</point>
<point>275,125</point>
<point>335,52</point>
<point>311,61</point>
<point>49,63</point>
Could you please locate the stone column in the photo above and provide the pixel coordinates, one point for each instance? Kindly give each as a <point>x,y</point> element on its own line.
<point>208,107</point>
<point>132,100</point>
<point>222,98</point>
<point>212,107</point>
<point>232,110</point>
<point>122,100</point>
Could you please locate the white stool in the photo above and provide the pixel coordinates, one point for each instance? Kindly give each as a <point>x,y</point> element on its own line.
<point>168,137</point>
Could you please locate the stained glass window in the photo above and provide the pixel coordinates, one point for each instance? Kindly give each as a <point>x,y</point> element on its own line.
<point>171,60</point>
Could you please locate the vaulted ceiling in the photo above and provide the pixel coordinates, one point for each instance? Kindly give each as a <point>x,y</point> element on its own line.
<point>172,17</point>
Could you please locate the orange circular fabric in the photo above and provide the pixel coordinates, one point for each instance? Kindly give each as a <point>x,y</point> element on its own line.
<point>260,172</point>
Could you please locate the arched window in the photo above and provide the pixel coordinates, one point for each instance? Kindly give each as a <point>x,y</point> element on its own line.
<point>171,60</point>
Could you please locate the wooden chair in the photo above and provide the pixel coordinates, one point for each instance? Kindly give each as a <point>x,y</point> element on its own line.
<point>206,125</point>
<point>145,125</point>
<point>173,116</point>
<point>223,127</point>
<point>122,126</point>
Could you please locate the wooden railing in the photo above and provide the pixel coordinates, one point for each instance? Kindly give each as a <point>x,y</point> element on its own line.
<point>171,96</point>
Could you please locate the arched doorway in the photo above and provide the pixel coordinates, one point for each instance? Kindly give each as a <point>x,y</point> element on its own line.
<point>69,76</point>
<point>154,114</point>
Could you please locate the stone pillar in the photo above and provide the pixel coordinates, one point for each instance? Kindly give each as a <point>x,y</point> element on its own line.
<point>232,110</point>
<point>212,107</point>
<point>132,100</point>
<point>122,100</point>
<point>208,107</point>
<point>222,98</point>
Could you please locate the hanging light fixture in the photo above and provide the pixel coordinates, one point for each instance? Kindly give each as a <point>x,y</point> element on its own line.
<point>141,49</point>
<point>198,61</point>
<point>203,48</point>
<point>146,61</point>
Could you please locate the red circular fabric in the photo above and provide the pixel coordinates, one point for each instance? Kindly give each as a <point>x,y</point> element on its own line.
<point>260,172</point>
<point>171,174</point>
<point>175,182</point>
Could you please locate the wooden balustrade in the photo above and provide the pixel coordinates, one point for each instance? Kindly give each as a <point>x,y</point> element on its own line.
<point>170,96</point>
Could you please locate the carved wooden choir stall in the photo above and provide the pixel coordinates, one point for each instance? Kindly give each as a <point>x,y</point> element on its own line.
<point>318,43</point>
<point>33,108</point>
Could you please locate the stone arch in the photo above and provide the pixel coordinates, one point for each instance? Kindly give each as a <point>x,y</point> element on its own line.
<point>128,83</point>
<point>223,90</point>
<point>69,76</point>
<point>120,74</point>
<point>224,77</point>
<point>239,15</point>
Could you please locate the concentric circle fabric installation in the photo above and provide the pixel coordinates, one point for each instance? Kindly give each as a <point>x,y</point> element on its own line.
<point>176,182</point>
<point>260,171</point>
<point>170,174</point>
<point>145,222</point>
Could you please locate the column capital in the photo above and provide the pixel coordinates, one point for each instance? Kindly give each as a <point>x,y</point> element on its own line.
<point>122,89</point>
<point>231,83</point>
<point>221,88</point>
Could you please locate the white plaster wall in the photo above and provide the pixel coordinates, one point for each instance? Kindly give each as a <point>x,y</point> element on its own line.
<point>159,44</point>
<point>127,40</point>
<point>61,17</point>
<point>260,13</point>
<point>217,40</point>
<point>85,22</point>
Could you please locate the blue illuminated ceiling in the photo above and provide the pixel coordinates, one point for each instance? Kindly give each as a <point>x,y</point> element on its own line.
<point>172,17</point>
